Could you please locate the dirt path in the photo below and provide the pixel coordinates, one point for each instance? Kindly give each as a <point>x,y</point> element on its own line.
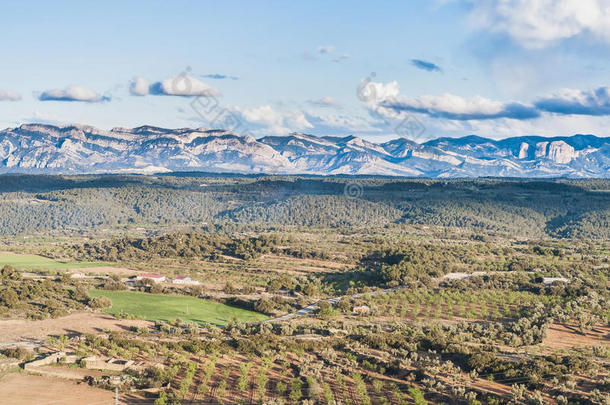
<point>16,330</point>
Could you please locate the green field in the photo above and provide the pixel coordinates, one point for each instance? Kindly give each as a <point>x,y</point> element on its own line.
<point>26,261</point>
<point>157,307</point>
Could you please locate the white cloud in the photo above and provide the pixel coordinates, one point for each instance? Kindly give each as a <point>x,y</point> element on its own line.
<point>139,86</point>
<point>538,23</point>
<point>182,85</point>
<point>577,102</point>
<point>385,99</point>
<point>8,95</point>
<point>373,92</point>
<point>326,101</point>
<point>277,122</point>
<point>73,93</point>
<point>264,115</point>
<point>297,120</point>
<point>459,108</point>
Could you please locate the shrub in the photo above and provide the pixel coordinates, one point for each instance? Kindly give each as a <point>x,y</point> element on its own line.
<point>263,305</point>
<point>229,288</point>
<point>156,289</point>
<point>281,388</point>
<point>19,353</point>
<point>295,389</point>
<point>249,289</point>
<point>100,302</point>
<point>417,395</point>
<point>9,298</point>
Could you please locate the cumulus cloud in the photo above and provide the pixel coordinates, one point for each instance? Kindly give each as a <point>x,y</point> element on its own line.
<point>372,93</point>
<point>8,95</point>
<point>73,93</point>
<point>385,99</point>
<point>275,121</point>
<point>455,107</point>
<point>537,23</point>
<point>139,86</point>
<point>325,102</point>
<point>183,85</point>
<point>426,65</point>
<point>577,102</point>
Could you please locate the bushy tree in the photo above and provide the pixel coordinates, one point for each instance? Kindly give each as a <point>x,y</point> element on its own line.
<point>100,302</point>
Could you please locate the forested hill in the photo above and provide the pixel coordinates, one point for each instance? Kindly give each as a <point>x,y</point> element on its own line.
<point>31,204</point>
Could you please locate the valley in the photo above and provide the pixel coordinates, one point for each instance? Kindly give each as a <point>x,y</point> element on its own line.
<point>412,291</point>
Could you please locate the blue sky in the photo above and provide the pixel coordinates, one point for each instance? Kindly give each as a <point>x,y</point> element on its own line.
<point>455,67</point>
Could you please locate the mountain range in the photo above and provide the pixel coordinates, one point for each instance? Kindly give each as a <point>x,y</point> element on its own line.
<point>76,149</point>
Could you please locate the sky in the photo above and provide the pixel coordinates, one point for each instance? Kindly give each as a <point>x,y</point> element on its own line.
<point>378,70</point>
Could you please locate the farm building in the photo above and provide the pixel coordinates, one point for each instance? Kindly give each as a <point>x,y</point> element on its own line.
<point>185,280</point>
<point>157,278</point>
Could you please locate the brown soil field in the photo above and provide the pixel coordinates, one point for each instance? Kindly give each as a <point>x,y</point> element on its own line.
<point>26,389</point>
<point>561,336</point>
<point>284,264</point>
<point>102,270</point>
<point>15,330</point>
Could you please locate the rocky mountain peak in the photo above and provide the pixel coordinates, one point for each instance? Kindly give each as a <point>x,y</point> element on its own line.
<point>42,148</point>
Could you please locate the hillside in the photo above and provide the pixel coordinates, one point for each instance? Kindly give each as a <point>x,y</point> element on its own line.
<point>535,208</point>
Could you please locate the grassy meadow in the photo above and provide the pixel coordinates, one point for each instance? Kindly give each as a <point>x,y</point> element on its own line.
<point>157,307</point>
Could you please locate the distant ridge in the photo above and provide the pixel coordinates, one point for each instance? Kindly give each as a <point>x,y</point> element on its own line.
<point>41,148</point>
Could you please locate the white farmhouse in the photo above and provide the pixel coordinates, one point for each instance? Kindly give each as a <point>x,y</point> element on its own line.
<point>154,277</point>
<point>185,280</point>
